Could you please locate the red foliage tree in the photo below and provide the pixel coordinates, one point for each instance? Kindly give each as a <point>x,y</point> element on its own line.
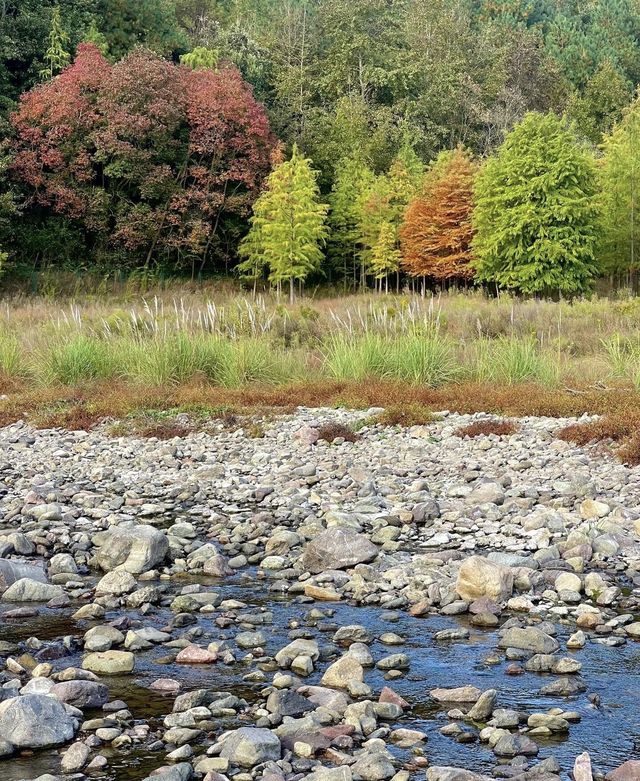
<point>436,233</point>
<point>152,158</point>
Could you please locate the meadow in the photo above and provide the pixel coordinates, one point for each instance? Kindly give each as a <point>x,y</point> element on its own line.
<point>232,341</point>
<point>165,362</point>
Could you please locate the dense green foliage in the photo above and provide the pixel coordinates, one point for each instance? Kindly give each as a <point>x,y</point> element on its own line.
<point>535,216</point>
<point>370,90</point>
<point>287,227</point>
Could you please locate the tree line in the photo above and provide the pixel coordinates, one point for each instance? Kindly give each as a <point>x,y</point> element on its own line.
<point>454,140</point>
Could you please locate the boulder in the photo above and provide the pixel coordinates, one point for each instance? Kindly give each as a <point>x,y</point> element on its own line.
<point>582,768</point>
<point>528,639</point>
<point>29,590</point>
<point>337,549</point>
<point>10,571</point>
<point>460,694</point>
<point>110,662</point>
<point>116,583</point>
<point>444,773</point>
<point>484,706</point>
<point>249,746</point>
<point>628,771</point>
<point>479,577</point>
<point>81,694</point>
<point>75,757</point>
<point>35,721</point>
<point>134,548</point>
<point>341,673</point>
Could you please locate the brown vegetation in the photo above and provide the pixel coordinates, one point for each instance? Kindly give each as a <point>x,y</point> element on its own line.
<point>484,428</point>
<point>404,404</point>
<point>332,431</point>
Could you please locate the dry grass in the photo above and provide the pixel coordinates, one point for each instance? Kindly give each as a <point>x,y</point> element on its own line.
<point>404,404</point>
<point>620,432</point>
<point>411,414</point>
<point>485,428</point>
<point>329,432</point>
<point>629,453</point>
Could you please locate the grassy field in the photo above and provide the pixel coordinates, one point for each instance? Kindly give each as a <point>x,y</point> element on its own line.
<point>212,353</point>
<point>233,342</point>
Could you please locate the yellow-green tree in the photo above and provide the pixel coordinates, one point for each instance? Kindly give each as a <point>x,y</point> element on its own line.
<point>620,188</point>
<point>536,214</point>
<point>353,179</point>
<point>288,227</point>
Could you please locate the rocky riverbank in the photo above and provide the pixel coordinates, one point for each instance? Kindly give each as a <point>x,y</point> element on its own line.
<point>228,607</point>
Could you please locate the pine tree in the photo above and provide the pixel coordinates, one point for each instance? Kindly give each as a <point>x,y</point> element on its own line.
<point>406,175</point>
<point>56,57</point>
<point>385,255</point>
<point>353,178</point>
<point>437,231</point>
<point>620,187</point>
<point>288,226</point>
<point>536,216</point>
<point>98,39</point>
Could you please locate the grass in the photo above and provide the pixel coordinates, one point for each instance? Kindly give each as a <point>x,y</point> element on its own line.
<point>329,432</point>
<point>407,415</point>
<point>210,352</point>
<point>485,428</point>
<point>621,431</point>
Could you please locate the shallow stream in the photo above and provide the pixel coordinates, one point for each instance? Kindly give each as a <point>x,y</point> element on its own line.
<point>610,732</point>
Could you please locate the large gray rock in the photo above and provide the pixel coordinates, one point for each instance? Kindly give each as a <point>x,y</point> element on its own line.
<point>29,590</point>
<point>337,549</point>
<point>10,571</point>
<point>180,772</point>
<point>528,639</point>
<point>110,662</point>
<point>35,721</point>
<point>134,548</point>
<point>249,746</point>
<point>81,694</point>
<point>479,577</point>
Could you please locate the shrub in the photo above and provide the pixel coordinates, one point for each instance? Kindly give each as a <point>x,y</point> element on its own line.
<point>485,428</point>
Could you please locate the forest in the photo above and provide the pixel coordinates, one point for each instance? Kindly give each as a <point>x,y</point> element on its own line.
<point>360,144</point>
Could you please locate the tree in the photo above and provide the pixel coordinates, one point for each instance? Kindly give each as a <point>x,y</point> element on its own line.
<point>152,160</point>
<point>536,217</point>
<point>600,105</point>
<point>149,23</point>
<point>385,255</point>
<point>56,57</point>
<point>353,179</point>
<point>374,211</point>
<point>620,187</point>
<point>200,57</point>
<point>437,230</point>
<point>288,226</point>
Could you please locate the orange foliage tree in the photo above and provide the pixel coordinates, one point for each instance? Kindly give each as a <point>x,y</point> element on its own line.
<point>436,233</point>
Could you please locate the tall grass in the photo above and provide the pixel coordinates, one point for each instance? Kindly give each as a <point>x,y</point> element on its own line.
<point>513,360</point>
<point>234,341</point>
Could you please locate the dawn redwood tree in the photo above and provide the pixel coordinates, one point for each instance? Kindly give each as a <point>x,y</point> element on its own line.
<point>536,214</point>
<point>154,161</point>
<point>437,231</point>
<point>353,178</point>
<point>288,226</point>
<point>385,255</point>
<point>620,187</point>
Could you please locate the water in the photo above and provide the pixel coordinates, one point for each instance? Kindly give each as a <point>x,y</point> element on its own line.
<point>611,732</point>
